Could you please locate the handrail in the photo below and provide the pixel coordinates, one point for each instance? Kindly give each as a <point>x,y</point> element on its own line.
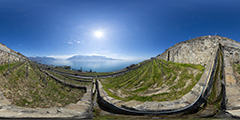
<point>200,97</point>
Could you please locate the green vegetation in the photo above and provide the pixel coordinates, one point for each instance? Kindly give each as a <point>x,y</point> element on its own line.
<point>71,80</point>
<point>156,80</point>
<point>4,68</point>
<point>236,68</point>
<point>36,90</point>
<point>81,73</point>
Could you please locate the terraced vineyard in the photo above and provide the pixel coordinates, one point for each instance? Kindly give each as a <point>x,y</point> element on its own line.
<point>72,80</point>
<point>35,89</point>
<point>81,73</point>
<point>156,80</point>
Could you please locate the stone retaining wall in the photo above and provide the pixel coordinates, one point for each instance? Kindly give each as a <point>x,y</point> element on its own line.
<point>195,51</point>
<point>7,54</point>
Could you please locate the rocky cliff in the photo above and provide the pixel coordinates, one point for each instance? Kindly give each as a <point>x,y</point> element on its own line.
<point>198,50</point>
<point>7,54</point>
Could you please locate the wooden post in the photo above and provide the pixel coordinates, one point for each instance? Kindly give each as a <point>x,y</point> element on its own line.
<point>168,58</point>
<point>8,62</point>
<point>45,77</point>
<point>27,71</point>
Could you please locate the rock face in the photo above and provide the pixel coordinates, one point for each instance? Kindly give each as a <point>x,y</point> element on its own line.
<point>198,50</point>
<point>7,54</point>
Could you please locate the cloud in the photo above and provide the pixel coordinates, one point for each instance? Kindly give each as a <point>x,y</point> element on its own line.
<point>115,55</point>
<point>70,42</point>
<point>61,56</point>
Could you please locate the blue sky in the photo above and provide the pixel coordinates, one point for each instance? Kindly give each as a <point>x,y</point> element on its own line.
<point>132,29</point>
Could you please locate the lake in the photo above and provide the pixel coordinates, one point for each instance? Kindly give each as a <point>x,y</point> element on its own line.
<point>98,66</point>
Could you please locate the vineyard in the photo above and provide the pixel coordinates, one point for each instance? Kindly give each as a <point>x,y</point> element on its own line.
<point>25,84</point>
<point>155,80</point>
<point>80,73</point>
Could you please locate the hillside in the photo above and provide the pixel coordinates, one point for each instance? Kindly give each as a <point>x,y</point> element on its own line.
<point>187,79</point>
<point>24,83</point>
<point>39,59</point>
<point>155,80</point>
<point>198,77</point>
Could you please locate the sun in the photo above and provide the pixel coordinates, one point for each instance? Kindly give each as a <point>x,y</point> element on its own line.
<point>98,34</point>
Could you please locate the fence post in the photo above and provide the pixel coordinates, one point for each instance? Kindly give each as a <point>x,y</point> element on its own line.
<point>27,71</point>
<point>8,62</point>
<point>44,77</point>
<point>92,92</point>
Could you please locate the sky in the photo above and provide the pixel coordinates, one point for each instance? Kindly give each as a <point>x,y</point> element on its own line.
<point>125,29</point>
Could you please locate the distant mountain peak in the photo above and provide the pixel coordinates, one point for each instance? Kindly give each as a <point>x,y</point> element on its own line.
<point>73,58</point>
<point>88,57</point>
<point>36,58</point>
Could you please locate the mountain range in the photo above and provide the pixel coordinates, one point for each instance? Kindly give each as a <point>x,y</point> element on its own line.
<point>38,59</point>
<point>73,58</point>
<point>93,57</point>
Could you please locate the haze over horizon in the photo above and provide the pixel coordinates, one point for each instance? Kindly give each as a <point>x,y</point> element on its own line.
<point>130,29</point>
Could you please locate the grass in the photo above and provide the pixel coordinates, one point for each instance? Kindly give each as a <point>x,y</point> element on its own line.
<point>36,90</point>
<point>4,68</point>
<point>236,68</point>
<point>173,79</point>
<point>81,73</point>
<point>71,80</point>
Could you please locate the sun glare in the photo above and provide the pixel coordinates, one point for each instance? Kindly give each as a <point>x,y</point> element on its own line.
<point>98,34</point>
